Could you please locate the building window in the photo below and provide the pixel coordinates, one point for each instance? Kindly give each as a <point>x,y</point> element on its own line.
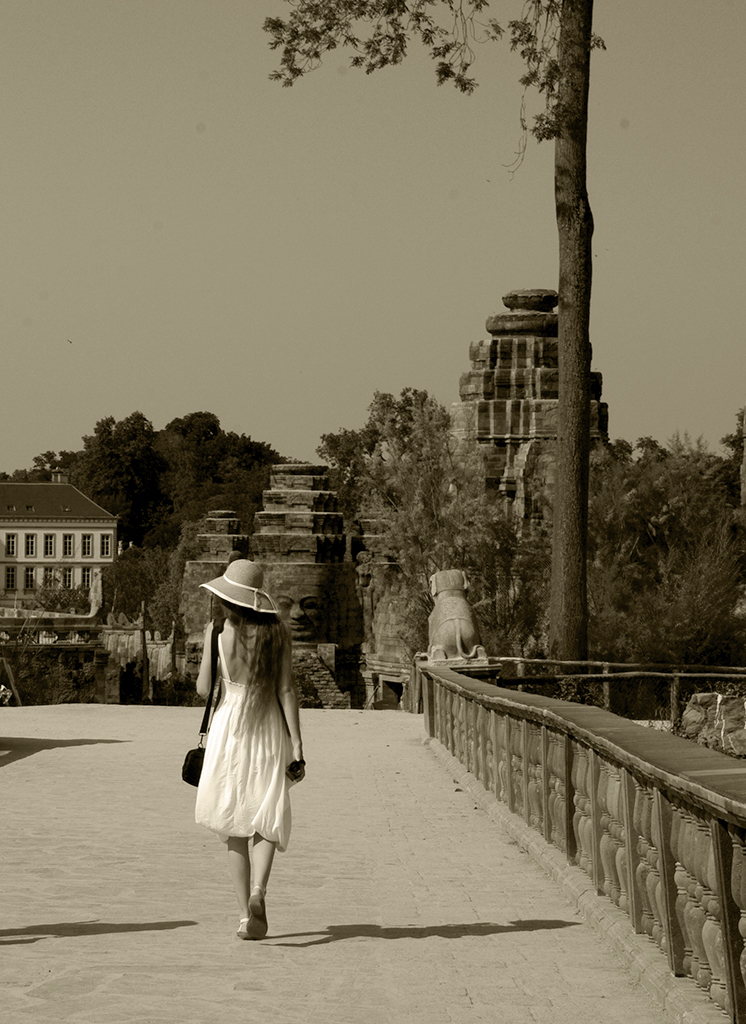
<point>106,545</point>
<point>30,546</point>
<point>67,545</point>
<point>10,577</point>
<point>10,545</point>
<point>49,545</point>
<point>86,545</point>
<point>86,578</point>
<point>67,579</point>
<point>48,577</point>
<point>28,581</point>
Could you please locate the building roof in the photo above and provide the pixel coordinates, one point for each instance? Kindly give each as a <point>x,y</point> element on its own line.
<point>47,501</point>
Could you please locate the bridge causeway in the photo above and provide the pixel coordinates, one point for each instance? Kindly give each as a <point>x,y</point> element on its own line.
<point>399,897</point>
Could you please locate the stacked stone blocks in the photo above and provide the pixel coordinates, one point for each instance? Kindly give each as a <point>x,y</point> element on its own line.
<point>300,542</point>
<point>300,521</point>
<point>509,400</point>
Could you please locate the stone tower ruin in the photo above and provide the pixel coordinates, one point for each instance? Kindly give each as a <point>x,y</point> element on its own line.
<point>509,400</point>
<point>300,543</point>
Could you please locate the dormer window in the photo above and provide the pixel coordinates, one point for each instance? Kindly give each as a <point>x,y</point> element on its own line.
<point>11,508</point>
<point>30,508</point>
<point>65,508</point>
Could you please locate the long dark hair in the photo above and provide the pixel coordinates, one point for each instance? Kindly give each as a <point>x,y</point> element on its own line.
<point>265,643</point>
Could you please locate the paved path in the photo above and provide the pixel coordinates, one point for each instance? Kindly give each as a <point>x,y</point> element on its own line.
<point>397,900</point>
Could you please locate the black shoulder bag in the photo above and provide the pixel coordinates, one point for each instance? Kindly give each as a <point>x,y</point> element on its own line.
<point>192,767</point>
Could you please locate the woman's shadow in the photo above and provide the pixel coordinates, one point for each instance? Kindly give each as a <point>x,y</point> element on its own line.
<point>338,932</point>
<point>70,929</point>
<point>13,748</point>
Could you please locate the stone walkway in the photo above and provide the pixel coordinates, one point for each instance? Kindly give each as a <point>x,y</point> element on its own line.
<point>398,899</point>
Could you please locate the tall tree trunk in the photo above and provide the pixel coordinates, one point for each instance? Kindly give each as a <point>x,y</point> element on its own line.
<point>568,637</point>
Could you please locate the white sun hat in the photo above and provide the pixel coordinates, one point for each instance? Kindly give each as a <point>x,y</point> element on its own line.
<point>241,584</point>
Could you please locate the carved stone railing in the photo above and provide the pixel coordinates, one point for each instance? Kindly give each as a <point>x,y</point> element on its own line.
<point>657,822</point>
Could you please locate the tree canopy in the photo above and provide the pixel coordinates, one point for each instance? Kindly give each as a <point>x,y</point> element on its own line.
<point>157,480</point>
<point>667,555</point>
<point>379,32</point>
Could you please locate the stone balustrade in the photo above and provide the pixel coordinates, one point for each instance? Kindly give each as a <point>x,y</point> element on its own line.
<point>83,633</point>
<point>656,822</point>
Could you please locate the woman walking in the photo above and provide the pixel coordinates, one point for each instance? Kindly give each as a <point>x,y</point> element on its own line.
<point>254,750</point>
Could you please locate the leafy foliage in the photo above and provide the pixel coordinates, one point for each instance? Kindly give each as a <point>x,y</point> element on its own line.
<point>53,597</point>
<point>207,467</point>
<point>406,469</point>
<point>156,481</point>
<point>379,32</point>
<point>667,556</point>
<point>152,575</point>
<point>120,469</point>
<point>48,677</point>
<point>133,578</point>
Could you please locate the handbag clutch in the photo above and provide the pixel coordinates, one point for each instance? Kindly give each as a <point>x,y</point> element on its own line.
<point>191,770</point>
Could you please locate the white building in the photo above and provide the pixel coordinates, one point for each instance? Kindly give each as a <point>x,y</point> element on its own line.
<point>50,535</point>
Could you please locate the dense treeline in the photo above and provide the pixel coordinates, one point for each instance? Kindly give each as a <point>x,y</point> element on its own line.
<point>158,480</point>
<point>160,483</point>
<point>667,532</point>
<point>667,543</point>
<point>667,553</point>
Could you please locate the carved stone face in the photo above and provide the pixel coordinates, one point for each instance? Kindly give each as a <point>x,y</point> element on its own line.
<point>302,610</point>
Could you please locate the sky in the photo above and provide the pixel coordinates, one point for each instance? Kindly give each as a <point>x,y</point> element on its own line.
<point>181,234</point>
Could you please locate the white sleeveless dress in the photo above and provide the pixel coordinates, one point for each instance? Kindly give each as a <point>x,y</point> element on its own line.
<point>243,788</point>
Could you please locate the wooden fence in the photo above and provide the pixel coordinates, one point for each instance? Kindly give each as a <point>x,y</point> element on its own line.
<point>657,822</point>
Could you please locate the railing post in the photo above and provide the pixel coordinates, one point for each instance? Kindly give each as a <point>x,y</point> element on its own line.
<point>524,779</point>
<point>476,765</point>
<point>437,710</point>
<point>495,754</point>
<point>545,784</point>
<point>571,849</point>
<point>632,851</point>
<point>510,724</point>
<point>452,721</point>
<point>445,716</point>
<point>428,710</point>
<point>729,918</point>
<point>593,784</point>
<point>666,869</point>
<point>483,724</point>
<point>467,712</point>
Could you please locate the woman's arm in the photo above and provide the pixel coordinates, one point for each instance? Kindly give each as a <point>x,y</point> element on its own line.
<point>204,679</point>
<point>288,698</point>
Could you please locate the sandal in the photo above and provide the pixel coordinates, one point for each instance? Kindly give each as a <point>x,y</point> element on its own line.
<point>242,932</point>
<point>257,926</point>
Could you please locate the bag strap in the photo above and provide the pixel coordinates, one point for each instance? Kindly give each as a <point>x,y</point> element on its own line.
<point>217,629</point>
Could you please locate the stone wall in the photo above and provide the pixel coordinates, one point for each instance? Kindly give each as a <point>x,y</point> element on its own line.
<point>326,676</point>
<point>717,722</point>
